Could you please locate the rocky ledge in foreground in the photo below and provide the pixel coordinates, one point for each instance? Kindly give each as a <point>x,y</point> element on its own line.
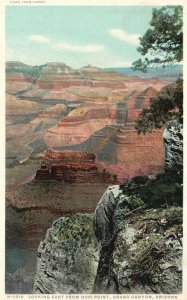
<point>68,257</point>
<point>141,248</point>
<point>140,252</point>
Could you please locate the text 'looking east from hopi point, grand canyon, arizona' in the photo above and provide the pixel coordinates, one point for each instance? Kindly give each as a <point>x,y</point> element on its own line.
<point>92,204</point>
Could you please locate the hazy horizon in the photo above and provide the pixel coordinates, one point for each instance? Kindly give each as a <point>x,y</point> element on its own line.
<point>92,66</point>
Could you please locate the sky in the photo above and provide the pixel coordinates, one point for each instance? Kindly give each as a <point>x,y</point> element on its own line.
<point>102,36</point>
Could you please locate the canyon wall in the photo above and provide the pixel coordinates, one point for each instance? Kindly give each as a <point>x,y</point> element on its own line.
<point>98,100</point>
<point>78,126</point>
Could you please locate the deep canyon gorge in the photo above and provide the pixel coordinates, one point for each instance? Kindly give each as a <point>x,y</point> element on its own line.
<point>69,135</point>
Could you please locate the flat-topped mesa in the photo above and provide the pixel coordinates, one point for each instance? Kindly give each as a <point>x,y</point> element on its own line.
<point>90,69</point>
<point>72,166</point>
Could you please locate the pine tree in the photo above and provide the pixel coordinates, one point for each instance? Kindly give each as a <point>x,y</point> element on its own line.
<point>162,44</point>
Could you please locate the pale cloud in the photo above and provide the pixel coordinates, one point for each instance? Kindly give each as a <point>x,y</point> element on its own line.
<point>131,38</point>
<point>75,48</point>
<point>39,38</point>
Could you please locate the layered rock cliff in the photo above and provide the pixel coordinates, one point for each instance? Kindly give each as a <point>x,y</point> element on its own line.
<point>59,81</point>
<point>81,123</point>
<point>72,166</point>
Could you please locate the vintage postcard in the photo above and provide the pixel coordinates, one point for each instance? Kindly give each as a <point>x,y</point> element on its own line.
<point>93,110</point>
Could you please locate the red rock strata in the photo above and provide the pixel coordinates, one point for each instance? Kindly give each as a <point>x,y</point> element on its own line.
<point>81,123</point>
<point>141,100</point>
<point>104,101</point>
<point>73,167</point>
<point>137,83</point>
<point>69,156</point>
<point>134,147</point>
<point>137,101</point>
<point>90,117</point>
<point>16,83</point>
<point>58,76</point>
<point>138,153</point>
<point>58,86</point>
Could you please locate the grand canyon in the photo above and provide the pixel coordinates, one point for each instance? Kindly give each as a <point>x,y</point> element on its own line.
<point>69,135</point>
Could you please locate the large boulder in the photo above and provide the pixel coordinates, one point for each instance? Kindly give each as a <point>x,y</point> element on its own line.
<point>103,218</point>
<point>68,257</point>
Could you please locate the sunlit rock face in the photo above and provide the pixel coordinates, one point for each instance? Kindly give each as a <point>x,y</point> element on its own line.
<point>78,126</point>
<point>173,143</point>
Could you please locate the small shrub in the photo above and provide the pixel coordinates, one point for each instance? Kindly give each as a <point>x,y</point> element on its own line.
<point>166,189</point>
